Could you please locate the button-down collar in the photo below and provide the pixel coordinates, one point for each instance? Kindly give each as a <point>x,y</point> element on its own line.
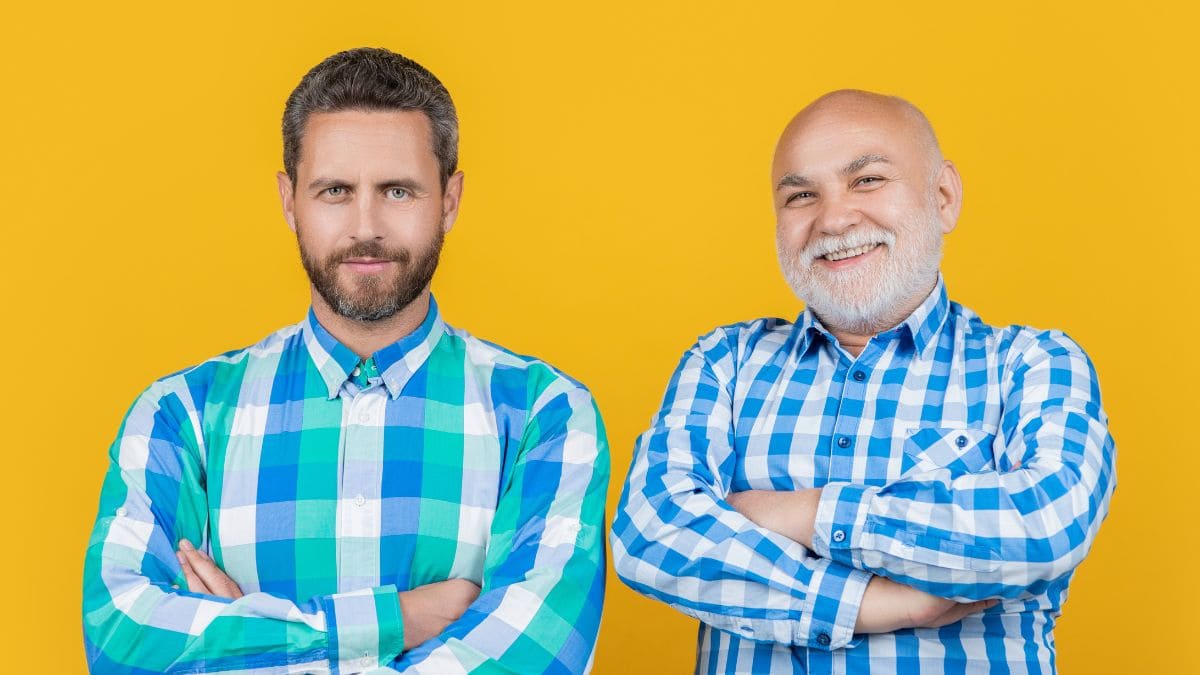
<point>396,362</point>
<point>921,326</point>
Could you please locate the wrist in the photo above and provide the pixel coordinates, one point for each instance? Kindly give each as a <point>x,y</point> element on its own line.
<point>804,519</point>
<point>408,617</point>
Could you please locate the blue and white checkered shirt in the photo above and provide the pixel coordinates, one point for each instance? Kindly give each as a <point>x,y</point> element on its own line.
<point>965,460</point>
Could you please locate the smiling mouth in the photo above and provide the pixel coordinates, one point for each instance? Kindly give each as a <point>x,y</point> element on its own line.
<point>848,253</point>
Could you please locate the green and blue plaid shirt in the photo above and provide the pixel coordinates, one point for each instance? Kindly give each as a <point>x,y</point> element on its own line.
<point>324,485</point>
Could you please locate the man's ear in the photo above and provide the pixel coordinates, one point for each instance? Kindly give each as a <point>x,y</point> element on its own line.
<point>451,199</point>
<point>949,196</point>
<point>287,199</point>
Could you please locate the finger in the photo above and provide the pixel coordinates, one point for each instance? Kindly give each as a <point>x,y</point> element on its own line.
<point>216,578</point>
<point>212,576</point>
<point>194,584</point>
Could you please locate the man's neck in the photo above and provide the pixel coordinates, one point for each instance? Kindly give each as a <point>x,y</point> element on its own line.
<point>365,338</point>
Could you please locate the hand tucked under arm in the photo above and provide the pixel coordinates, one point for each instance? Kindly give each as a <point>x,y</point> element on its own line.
<point>203,575</point>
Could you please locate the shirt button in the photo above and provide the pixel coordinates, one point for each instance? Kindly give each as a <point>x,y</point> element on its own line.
<point>823,639</point>
<point>359,500</point>
<point>121,512</point>
<point>364,417</point>
<point>961,441</point>
<point>356,371</point>
<point>839,535</point>
<point>859,376</point>
<point>844,442</point>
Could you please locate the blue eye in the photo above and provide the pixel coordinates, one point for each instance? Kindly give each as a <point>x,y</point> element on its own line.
<point>397,193</point>
<point>335,191</point>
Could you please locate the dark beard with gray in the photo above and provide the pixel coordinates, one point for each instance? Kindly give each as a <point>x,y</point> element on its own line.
<point>373,298</point>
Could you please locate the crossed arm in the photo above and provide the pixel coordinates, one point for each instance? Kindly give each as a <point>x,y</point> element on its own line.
<point>151,608</point>
<point>813,567</point>
<point>427,610</point>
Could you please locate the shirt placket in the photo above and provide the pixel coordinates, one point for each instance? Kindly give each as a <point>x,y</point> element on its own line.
<point>851,378</point>
<point>359,488</point>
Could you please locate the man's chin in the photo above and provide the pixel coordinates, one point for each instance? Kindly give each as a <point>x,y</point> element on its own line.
<point>366,313</point>
<point>844,297</point>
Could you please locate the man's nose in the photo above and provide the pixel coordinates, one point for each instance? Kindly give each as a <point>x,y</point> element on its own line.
<point>368,222</point>
<point>837,214</point>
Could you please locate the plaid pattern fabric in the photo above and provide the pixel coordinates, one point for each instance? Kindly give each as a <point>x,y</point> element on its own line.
<point>323,486</point>
<point>958,458</point>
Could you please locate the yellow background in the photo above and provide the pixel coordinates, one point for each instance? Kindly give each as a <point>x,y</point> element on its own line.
<point>616,206</point>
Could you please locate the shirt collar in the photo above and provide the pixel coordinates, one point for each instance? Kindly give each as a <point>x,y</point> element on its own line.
<point>927,319</point>
<point>921,326</point>
<point>396,362</point>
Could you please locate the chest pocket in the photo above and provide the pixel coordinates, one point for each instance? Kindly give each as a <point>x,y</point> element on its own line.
<point>959,451</point>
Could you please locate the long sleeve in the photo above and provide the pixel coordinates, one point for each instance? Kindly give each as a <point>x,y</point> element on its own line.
<point>538,610</point>
<point>969,528</point>
<point>675,538</point>
<point>135,617</point>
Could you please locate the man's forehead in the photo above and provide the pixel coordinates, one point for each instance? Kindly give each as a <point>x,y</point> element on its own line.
<point>354,141</point>
<point>844,125</point>
<point>402,124</point>
<point>833,143</point>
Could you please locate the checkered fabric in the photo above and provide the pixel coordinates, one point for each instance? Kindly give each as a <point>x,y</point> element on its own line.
<point>324,485</point>
<point>958,458</point>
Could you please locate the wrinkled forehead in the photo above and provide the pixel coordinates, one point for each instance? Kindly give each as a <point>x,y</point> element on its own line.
<point>822,143</point>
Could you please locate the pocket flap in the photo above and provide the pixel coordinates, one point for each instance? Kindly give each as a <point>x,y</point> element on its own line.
<point>959,450</point>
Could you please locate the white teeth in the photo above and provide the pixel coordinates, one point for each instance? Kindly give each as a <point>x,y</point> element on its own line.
<point>849,252</point>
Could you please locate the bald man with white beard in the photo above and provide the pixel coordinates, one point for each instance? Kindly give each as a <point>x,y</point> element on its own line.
<point>888,484</point>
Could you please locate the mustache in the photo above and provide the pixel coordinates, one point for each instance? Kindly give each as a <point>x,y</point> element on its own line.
<point>370,249</point>
<point>853,239</point>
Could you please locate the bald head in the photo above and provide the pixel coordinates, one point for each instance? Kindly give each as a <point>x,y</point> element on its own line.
<point>852,110</point>
<point>862,198</point>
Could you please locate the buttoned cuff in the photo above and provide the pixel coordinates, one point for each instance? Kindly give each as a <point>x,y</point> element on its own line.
<point>841,521</point>
<point>835,594</point>
<point>365,628</point>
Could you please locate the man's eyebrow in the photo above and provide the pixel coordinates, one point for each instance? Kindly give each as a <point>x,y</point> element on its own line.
<point>793,180</point>
<point>406,183</point>
<point>863,161</point>
<point>322,182</point>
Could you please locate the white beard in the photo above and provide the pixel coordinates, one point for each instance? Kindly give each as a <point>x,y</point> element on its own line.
<point>869,298</point>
